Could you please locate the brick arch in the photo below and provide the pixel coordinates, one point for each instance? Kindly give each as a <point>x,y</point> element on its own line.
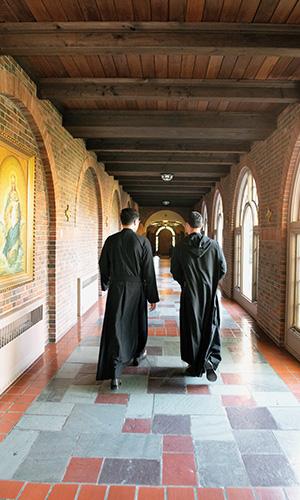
<point>91,164</point>
<point>115,192</point>
<point>217,190</point>
<point>12,88</point>
<point>289,175</point>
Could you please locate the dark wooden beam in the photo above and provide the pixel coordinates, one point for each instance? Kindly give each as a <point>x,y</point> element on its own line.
<point>169,125</point>
<point>168,146</point>
<point>234,39</point>
<point>284,92</point>
<point>208,173</point>
<point>131,183</point>
<point>169,158</point>
<point>156,169</point>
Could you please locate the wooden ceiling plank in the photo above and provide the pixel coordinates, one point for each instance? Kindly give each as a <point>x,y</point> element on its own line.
<point>265,11</point>
<point>194,10</point>
<point>174,66</point>
<point>283,11</point>
<point>17,11</point>
<point>160,10</point>
<point>38,10</point>
<point>230,10</point>
<point>240,67</point>
<point>212,10</point>
<point>107,10</point>
<point>72,10</point>
<point>142,10</point>
<point>96,66</point>
<point>227,66</point>
<point>177,10</point>
<point>108,64</point>
<point>56,11</point>
<point>124,10</point>
<point>214,66</point>
<point>200,67</point>
<point>266,68</point>
<point>135,66</point>
<point>161,66</point>
<point>247,11</point>
<point>187,67</point>
<point>294,17</point>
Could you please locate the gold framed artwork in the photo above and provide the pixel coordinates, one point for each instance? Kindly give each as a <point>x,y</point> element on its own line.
<point>17,170</point>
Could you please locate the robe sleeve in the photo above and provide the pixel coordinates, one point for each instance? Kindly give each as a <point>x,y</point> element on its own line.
<point>176,269</point>
<point>104,266</point>
<point>222,263</point>
<point>148,274</point>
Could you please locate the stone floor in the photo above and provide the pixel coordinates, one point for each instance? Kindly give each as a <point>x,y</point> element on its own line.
<point>163,436</point>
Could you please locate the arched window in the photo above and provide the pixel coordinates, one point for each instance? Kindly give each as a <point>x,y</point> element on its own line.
<point>247,238</point>
<point>294,269</point>
<point>218,219</point>
<point>205,218</point>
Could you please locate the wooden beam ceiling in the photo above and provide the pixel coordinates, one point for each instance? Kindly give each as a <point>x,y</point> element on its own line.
<point>175,89</point>
<point>78,38</point>
<point>169,125</point>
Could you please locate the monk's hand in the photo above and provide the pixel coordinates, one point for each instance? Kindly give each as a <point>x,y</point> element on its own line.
<point>152,307</point>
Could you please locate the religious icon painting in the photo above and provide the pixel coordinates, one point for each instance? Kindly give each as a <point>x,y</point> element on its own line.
<point>17,169</point>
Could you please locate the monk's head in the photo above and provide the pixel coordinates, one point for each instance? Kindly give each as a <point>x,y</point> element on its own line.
<point>130,219</point>
<point>194,223</point>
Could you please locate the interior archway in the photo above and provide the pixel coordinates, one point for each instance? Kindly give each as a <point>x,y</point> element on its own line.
<point>218,219</point>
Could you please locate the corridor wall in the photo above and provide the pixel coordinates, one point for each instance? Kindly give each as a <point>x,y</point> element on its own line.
<point>272,163</point>
<point>72,203</point>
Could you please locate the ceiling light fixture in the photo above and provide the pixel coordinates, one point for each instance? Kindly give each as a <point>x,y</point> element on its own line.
<point>167,177</point>
<point>165,202</point>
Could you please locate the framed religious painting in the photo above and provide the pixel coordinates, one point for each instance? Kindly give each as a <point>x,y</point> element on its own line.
<point>17,170</point>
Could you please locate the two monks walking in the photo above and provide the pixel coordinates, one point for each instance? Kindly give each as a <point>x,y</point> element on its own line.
<point>127,271</point>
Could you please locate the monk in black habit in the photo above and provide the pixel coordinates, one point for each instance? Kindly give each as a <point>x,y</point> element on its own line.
<point>127,271</point>
<point>198,264</point>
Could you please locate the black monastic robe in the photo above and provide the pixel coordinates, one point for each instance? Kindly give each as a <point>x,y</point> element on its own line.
<point>198,264</point>
<point>127,271</point>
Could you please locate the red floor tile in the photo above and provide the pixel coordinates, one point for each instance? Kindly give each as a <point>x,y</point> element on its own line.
<point>121,493</point>
<point>233,378</point>
<point>10,489</point>
<point>179,469</point>
<point>83,470</point>
<point>119,399</point>
<point>63,492</point>
<point>238,401</point>
<point>19,407</point>
<point>269,494</point>
<point>91,492</point>
<point>149,493</point>
<point>33,491</point>
<point>180,494</point>
<point>141,425</point>
<point>211,494</point>
<point>197,389</point>
<point>178,444</point>
<point>239,493</point>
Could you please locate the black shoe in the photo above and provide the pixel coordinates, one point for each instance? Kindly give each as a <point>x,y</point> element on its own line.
<point>115,384</point>
<point>190,372</point>
<point>211,375</point>
<point>136,361</point>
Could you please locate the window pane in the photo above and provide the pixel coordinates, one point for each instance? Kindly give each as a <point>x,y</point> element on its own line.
<point>247,254</point>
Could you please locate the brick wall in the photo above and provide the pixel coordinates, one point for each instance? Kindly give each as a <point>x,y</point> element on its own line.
<point>273,163</point>
<point>68,177</point>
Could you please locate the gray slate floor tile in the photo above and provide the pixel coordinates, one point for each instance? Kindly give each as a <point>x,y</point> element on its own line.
<point>95,418</point>
<point>257,442</point>
<point>269,470</point>
<point>250,418</point>
<point>118,471</point>
<point>13,451</point>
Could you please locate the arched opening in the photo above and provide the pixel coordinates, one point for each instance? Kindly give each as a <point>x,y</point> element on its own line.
<point>114,216</point>
<point>293,294</point>
<point>246,239</point>
<point>218,219</point>
<point>204,214</point>
<point>165,239</point>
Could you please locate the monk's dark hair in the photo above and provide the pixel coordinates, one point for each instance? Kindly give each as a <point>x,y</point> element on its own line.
<point>128,216</point>
<point>195,219</point>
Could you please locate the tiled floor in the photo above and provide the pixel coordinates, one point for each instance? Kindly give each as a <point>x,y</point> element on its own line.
<point>163,436</point>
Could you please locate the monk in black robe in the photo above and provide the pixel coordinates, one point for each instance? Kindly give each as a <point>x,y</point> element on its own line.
<point>127,271</point>
<point>198,264</point>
